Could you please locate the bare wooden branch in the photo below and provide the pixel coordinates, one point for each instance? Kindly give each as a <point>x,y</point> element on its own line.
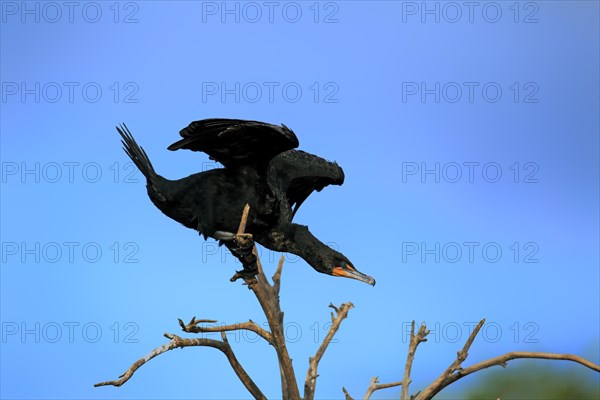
<point>268,298</point>
<point>415,340</point>
<point>178,342</point>
<point>432,390</point>
<point>461,356</point>
<point>346,394</point>
<point>223,345</point>
<point>311,375</point>
<point>455,371</point>
<point>375,386</point>
<point>513,355</point>
<point>194,327</point>
<point>239,370</point>
<point>244,220</point>
<point>277,276</point>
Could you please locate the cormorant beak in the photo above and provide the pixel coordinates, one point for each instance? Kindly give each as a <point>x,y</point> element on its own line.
<point>348,271</point>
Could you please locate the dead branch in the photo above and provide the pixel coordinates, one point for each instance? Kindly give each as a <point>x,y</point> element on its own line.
<point>223,345</point>
<point>415,340</point>
<point>375,385</point>
<point>455,371</point>
<point>346,394</point>
<point>437,386</point>
<point>313,362</point>
<point>268,298</point>
<point>194,327</point>
<point>456,365</point>
<point>513,355</point>
<point>244,220</point>
<point>175,342</point>
<point>277,275</point>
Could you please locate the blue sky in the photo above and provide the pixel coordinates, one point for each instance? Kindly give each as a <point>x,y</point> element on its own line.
<point>470,142</point>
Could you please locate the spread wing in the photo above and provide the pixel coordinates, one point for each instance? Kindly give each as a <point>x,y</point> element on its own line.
<point>236,142</point>
<point>298,174</point>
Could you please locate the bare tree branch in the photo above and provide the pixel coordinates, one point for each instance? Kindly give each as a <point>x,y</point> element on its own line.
<point>244,220</point>
<point>431,391</point>
<point>311,374</point>
<point>268,298</point>
<point>175,342</point>
<point>277,276</point>
<point>375,385</point>
<point>455,371</point>
<point>513,355</point>
<point>461,356</point>
<point>193,327</point>
<point>415,340</point>
<point>346,394</point>
<point>222,345</point>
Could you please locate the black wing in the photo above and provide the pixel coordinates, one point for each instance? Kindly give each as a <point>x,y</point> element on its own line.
<point>298,174</point>
<point>236,142</point>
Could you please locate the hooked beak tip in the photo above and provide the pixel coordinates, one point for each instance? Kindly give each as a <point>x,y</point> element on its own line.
<point>353,274</point>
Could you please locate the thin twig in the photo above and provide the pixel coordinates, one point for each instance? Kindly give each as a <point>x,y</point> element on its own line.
<point>346,394</point>
<point>513,355</point>
<point>175,342</point>
<point>244,220</point>
<point>311,375</point>
<point>194,327</point>
<point>277,275</point>
<point>461,356</point>
<point>375,385</point>
<point>415,340</point>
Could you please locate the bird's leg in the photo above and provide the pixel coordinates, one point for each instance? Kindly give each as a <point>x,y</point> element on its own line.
<point>241,246</point>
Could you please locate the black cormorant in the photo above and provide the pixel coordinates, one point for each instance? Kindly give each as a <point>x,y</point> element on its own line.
<point>260,169</point>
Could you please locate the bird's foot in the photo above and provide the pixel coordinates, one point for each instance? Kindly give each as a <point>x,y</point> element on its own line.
<point>241,246</point>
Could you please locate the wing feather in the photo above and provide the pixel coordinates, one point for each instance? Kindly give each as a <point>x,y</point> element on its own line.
<point>236,142</point>
<point>298,174</point>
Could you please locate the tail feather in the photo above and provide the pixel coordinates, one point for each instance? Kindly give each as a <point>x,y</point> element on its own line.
<point>136,153</point>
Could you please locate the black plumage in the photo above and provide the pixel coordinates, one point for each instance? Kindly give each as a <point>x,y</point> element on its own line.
<point>262,169</point>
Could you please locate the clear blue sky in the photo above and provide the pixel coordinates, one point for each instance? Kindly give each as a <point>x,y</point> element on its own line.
<point>470,142</point>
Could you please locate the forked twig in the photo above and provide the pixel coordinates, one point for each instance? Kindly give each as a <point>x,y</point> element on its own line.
<point>313,362</point>
<point>194,327</point>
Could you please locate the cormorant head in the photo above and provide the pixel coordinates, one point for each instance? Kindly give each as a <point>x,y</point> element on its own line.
<point>323,258</point>
<point>346,269</point>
